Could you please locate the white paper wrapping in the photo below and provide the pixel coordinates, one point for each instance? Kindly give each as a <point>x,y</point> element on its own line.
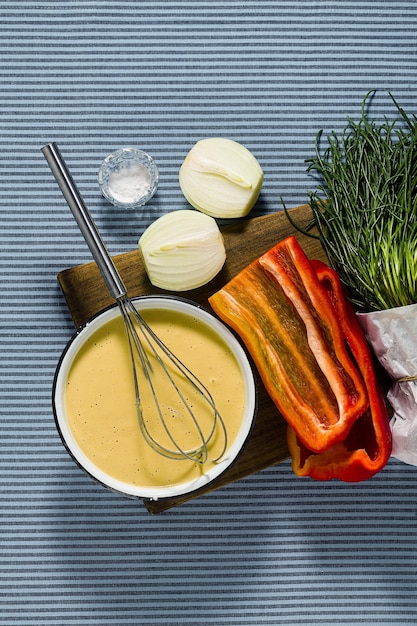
<point>393,337</point>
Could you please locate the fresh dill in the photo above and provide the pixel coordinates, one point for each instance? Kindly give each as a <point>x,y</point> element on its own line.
<point>365,208</point>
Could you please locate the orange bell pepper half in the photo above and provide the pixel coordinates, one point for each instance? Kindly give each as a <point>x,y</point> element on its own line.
<point>283,314</point>
<point>367,447</point>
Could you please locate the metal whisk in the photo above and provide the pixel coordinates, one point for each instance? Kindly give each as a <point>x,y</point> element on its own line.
<point>161,368</point>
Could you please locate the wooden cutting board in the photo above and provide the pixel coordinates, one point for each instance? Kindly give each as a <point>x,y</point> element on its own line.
<point>86,294</point>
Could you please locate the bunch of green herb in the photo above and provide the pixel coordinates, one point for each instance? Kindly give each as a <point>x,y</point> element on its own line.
<point>365,208</point>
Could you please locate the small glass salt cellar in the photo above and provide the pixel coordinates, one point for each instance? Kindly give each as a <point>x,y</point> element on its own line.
<point>128,178</point>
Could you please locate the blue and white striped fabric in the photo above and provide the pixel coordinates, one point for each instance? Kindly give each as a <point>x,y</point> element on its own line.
<point>98,75</point>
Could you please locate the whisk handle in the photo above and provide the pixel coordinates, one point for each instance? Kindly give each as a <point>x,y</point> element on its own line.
<point>84,220</point>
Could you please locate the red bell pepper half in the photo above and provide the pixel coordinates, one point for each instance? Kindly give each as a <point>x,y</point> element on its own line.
<point>367,447</point>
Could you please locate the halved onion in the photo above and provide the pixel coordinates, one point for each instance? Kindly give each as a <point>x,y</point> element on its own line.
<point>182,250</point>
<point>221,178</point>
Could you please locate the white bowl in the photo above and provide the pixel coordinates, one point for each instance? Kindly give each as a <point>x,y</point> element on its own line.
<point>74,345</point>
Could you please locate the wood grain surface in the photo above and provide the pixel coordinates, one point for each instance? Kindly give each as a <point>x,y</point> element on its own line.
<point>86,294</point>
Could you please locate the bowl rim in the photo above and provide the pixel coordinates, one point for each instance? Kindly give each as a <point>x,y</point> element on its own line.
<point>154,493</point>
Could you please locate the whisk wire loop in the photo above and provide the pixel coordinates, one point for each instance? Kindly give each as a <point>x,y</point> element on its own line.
<point>146,347</point>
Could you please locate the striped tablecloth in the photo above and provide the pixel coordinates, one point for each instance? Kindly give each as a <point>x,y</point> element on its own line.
<point>161,74</point>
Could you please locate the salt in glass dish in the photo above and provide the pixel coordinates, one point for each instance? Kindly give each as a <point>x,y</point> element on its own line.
<point>128,178</point>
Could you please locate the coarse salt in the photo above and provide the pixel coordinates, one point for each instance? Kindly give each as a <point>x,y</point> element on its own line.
<point>130,183</point>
